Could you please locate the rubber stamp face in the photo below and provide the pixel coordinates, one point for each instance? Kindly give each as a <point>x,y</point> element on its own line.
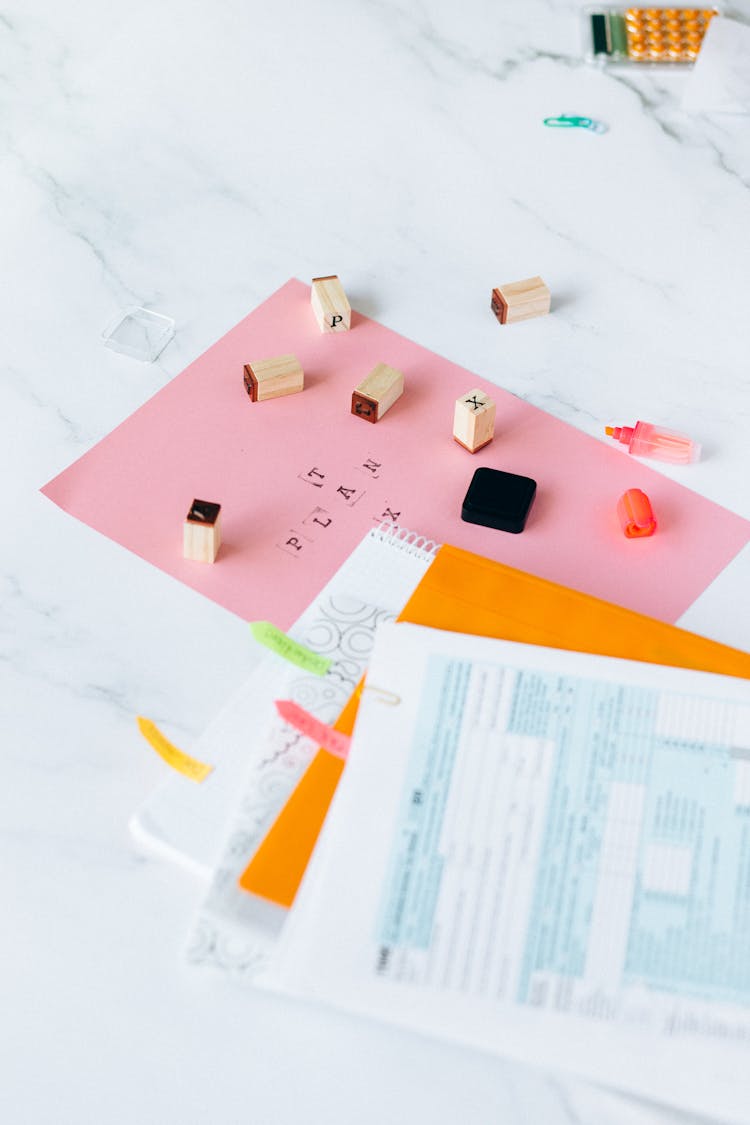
<point>204,512</point>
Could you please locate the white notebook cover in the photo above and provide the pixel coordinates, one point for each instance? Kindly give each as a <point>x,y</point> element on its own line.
<point>185,822</point>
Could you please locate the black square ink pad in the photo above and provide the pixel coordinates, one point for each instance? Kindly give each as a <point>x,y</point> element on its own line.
<point>498,499</point>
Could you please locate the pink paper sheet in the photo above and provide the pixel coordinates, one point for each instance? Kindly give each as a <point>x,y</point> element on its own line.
<point>300,479</point>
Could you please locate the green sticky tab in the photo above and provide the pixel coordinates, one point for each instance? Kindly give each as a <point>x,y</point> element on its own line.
<point>619,35</point>
<point>267,634</point>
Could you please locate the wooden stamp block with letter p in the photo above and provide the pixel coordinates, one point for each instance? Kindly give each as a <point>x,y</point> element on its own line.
<point>330,305</point>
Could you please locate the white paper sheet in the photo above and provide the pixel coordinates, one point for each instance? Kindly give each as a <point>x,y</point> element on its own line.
<point>235,932</point>
<point>546,855</point>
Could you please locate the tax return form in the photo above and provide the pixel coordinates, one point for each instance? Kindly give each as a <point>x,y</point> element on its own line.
<point>546,855</point>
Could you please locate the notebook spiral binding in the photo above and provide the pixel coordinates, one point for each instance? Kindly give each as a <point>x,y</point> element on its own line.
<point>409,541</point>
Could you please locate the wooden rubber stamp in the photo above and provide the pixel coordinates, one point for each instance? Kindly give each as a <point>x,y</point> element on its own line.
<point>272,378</point>
<point>474,420</point>
<point>329,303</point>
<point>520,300</point>
<point>377,393</point>
<point>201,534</point>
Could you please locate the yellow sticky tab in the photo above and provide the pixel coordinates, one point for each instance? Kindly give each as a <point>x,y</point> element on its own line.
<point>177,759</point>
<point>273,638</point>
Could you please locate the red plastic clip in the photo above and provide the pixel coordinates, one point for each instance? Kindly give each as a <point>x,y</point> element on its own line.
<point>636,515</point>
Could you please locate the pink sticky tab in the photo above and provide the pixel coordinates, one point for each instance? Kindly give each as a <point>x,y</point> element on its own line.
<point>635,513</point>
<point>326,737</point>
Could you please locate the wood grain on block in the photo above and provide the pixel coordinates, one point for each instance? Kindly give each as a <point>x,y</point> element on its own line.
<point>201,534</point>
<point>520,300</point>
<point>474,420</point>
<point>330,305</point>
<point>377,393</point>
<point>271,378</point>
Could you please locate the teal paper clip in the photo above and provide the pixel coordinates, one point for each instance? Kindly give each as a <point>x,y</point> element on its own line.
<point>566,121</point>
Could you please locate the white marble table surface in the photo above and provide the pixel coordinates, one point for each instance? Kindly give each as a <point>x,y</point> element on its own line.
<point>192,157</point>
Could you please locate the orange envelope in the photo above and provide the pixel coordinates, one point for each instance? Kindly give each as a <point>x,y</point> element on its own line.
<point>466,593</point>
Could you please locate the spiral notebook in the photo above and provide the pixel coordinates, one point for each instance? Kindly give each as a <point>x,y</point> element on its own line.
<point>466,593</point>
<point>185,822</point>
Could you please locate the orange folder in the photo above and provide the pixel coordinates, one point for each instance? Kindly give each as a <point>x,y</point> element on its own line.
<point>465,593</point>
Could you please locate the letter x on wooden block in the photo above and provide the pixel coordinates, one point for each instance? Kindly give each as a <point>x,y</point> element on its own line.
<point>474,420</point>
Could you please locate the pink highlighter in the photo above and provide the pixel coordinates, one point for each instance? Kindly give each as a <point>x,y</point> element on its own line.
<point>646,440</point>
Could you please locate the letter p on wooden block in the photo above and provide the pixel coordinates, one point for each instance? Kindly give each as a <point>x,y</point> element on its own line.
<point>271,378</point>
<point>329,303</point>
<point>474,420</point>
<point>201,535</point>
<point>520,300</point>
<point>377,393</point>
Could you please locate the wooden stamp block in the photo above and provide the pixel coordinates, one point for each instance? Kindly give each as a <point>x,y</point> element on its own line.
<point>474,420</point>
<point>520,300</point>
<point>201,534</point>
<point>329,303</point>
<point>271,378</point>
<point>377,393</point>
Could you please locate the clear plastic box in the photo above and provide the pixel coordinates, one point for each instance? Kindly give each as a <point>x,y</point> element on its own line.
<point>139,333</point>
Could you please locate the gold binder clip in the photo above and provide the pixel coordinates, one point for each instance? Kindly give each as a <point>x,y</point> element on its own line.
<point>388,697</point>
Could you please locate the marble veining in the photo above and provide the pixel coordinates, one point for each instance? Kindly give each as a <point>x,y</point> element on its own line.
<point>191,158</point>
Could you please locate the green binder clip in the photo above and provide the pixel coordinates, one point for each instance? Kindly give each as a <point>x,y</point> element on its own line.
<point>567,121</point>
